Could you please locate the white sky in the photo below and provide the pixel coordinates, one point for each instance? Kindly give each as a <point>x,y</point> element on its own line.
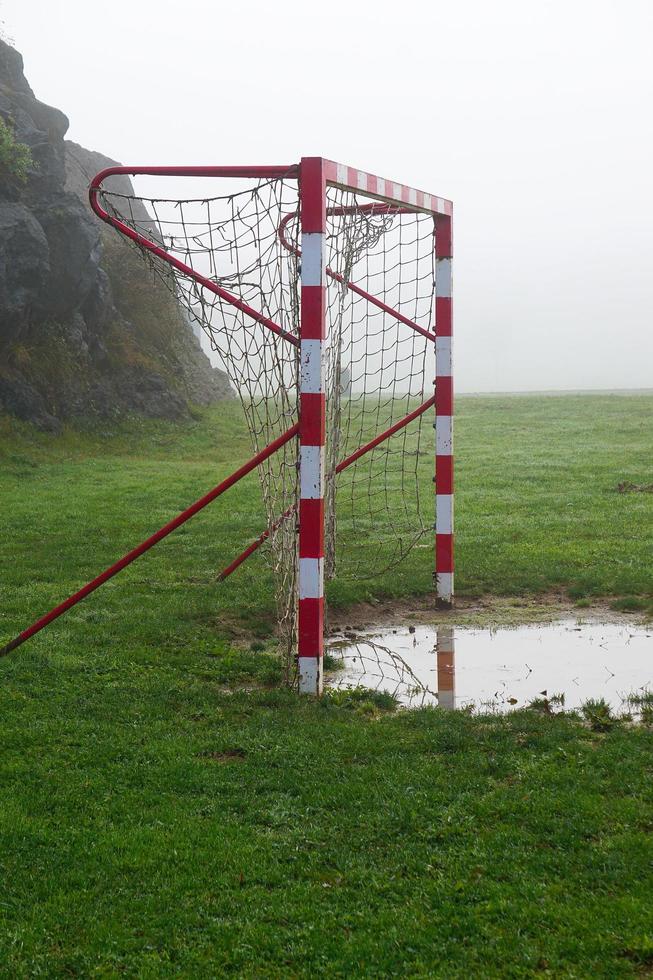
<point>535,118</point>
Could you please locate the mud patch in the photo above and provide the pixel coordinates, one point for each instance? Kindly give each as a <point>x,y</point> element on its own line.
<point>228,755</point>
<point>627,487</point>
<point>490,611</point>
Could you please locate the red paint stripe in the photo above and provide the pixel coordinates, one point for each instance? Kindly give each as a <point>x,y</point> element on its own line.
<point>443,474</point>
<point>445,670</point>
<point>311,627</point>
<point>313,194</point>
<point>312,419</point>
<point>443,317</point>
<point>311,518</point>
<point>443,395</point>
<point>330,170</point>
<point>313,300</point>
<point>444,552</point>
<point>443,240</point>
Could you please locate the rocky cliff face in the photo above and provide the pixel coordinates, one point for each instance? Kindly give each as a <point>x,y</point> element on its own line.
<point>83,326</point>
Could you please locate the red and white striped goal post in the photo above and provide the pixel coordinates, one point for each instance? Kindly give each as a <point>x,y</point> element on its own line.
<point>314,174</point>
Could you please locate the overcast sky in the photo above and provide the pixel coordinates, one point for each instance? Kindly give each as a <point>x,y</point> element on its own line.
<point>534,118</point>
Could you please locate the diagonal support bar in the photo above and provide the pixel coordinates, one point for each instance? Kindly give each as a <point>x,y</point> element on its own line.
<point>262,538</point>
<point>337,277</point>
<point>94,193</point>
<point>163,532</point>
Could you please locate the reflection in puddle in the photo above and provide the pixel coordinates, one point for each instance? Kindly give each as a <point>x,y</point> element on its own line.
<point>497,669</point>
<point>446,667</point>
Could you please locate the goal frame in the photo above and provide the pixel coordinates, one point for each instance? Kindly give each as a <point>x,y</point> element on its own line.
<point>314,176</point>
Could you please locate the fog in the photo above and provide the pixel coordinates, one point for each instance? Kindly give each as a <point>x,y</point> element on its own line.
<point>535,119</point>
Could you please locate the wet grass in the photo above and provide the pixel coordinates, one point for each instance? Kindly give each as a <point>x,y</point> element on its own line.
<point>167,810</point>
<point>153,825</point>
<point>537,510</point>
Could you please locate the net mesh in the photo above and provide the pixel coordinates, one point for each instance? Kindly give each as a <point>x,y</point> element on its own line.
<point>378,366</point>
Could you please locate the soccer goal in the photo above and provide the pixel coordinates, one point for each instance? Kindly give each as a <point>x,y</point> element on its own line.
<point>325,294</point>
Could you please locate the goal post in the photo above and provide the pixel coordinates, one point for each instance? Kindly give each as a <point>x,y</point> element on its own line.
<point>444,554</point>
<point>312,424</point>
<point>325,293</point>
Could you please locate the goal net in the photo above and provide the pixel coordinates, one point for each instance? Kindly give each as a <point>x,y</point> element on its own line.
<point>229,245</point>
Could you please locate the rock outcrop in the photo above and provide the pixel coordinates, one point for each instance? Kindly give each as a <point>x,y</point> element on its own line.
<point>84,328</point>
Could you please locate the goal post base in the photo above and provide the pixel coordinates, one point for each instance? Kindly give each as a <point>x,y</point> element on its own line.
<point>311,675</point>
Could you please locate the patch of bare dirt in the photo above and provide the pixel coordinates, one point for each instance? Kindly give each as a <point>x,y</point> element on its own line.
<point>627,487</point>
<point>229,755</point>
<point>469,611</point>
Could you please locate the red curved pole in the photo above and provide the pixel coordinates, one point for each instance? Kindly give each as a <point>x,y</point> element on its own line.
<point>375,208</point>
<point>150,542</point>
<point>187,270</point>
<point>262,538</point>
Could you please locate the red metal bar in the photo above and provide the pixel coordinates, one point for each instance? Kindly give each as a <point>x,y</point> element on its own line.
<point>312,428</point>
<point>374,300</point>
<point>262,538</point>
<point>289,171</point>
<point>150,246</point>
<point>386,435</point>
<point>151,541</point>
<point>255,545</point>
<point>444,458</point>
<point>387,190</point>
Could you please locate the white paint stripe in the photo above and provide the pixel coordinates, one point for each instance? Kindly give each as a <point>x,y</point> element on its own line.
<point>380,186</point>
<point>362,181</point>
<point>311,471</point>
<point>313,259</point>
<point>412,196</point>
<point>311,578</point>
<point>447,699</point>
<point>427,202</point>
<point>443,435</point>
<point>311,367</point>
<point>396,192</point>
<point>445,639</point>
<point>443,277</point>
<point>444,586</point>
<point>444,513</point>
<point>310,675</point>
<point>443,357</point>
<point>341,173</point>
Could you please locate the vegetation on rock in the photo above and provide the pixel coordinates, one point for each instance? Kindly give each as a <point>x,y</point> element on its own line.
<point>15,158</point>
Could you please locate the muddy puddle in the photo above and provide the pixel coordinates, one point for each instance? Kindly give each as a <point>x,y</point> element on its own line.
<point>499,669</point>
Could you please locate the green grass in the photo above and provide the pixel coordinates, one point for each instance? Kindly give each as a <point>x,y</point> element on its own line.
<point>167,810</point>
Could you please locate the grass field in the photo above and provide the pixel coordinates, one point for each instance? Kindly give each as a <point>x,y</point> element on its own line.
<point>168,810</point>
